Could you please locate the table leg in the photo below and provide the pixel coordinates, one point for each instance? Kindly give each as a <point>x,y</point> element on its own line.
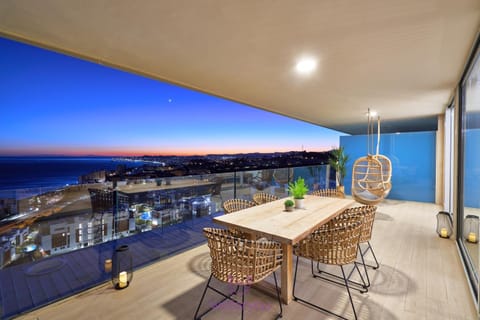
<point>287,270</point>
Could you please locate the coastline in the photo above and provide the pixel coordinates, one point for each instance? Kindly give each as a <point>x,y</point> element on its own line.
<point>44,173</point>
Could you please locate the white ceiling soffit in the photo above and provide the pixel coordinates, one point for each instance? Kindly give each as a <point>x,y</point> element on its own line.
<point>401,58</point>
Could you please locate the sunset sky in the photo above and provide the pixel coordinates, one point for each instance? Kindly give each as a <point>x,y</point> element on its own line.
<point>58,105</point>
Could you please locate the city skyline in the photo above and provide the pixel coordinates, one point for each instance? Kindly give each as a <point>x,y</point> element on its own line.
<point>53,104</point>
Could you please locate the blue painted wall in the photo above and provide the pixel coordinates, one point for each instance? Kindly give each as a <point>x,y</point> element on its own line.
<point>471,189</point>
<point>413,162</point>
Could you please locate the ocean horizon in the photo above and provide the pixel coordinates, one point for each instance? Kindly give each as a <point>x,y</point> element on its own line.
<point>50,172</point>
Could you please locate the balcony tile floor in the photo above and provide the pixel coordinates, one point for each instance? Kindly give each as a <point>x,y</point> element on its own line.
<point>420,277</point>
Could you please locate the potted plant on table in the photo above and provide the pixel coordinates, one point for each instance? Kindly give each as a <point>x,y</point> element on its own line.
<point>289,205</point>
<point>298,190</point>
<point>338,161</point>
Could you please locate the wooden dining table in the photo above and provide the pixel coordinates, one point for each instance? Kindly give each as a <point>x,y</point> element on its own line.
<point>271,221</point>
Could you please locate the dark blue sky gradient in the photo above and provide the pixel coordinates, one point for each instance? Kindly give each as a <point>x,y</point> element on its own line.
<point>55,104</point>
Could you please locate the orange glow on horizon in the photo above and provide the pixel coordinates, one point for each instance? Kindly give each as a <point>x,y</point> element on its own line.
<point>69,151</point>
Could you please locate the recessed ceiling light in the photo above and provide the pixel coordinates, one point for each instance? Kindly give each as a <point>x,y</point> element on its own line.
<point>306,65</point>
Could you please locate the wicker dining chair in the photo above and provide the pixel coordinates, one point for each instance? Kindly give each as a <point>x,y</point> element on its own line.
<point>330,193</point>
<point>335,243</point>
<point>366,234</point>
<point>263,197</point>
<point>233,205</point>
<point>240,262</point>
<point>368,214</point>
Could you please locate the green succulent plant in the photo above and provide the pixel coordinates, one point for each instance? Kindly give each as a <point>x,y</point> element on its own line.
<point>298,189</point>
<point>289,203</point>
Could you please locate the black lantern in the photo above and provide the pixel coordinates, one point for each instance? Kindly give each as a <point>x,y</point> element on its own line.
<point>444,224</point>
<point>470,228</point>
<point>122,267</point>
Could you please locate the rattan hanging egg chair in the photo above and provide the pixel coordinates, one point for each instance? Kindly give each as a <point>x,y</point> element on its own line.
<point>371,175</point>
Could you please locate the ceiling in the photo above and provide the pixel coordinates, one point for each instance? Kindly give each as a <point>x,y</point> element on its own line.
<point>400,58</point>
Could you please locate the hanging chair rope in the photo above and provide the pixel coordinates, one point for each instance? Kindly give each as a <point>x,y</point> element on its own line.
<point>378,135</point>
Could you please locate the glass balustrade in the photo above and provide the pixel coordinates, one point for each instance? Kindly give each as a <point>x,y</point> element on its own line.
<point>57,242</point>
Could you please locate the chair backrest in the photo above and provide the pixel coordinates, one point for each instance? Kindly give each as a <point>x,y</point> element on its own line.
<point>330,193</point>
<point>368,214</point>
<point>333,243</point>
<point>241,261</point>
<point>233,205</point>
<point>263,197</point>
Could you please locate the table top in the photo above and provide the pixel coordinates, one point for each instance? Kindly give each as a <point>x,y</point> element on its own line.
<point>273,222</point>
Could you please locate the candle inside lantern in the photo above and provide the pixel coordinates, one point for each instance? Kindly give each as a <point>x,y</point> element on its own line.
<point>472,237</point>
<point>122,279</point>
<point>444,233</point>
<point>108,265</point>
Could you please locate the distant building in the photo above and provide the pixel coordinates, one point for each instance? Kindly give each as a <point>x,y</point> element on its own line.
<point>81,231</point>
<point>8,207</point>
<point>93,177</point>
<point>9,242</point>
<point>121,169</point>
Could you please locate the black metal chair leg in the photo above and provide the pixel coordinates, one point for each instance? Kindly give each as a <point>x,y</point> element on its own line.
<point>296,298</point>
<point>278,296</point>
<point>328,276</point>
<point>201,300</point>
<point>363,253</point>
<point>374,257</point>
<point>364,269</point>
<point>363,284</point>
<point>243,299</point>
<point>349,295</point>
<point>225,297</point>
<point>295,278</point>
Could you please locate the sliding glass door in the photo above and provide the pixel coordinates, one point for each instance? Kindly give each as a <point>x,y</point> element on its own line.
<point>469,180</point>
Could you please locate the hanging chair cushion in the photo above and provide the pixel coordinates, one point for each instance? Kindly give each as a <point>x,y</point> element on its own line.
<point>367,195</point>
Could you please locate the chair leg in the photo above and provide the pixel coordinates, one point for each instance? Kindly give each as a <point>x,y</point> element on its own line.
<point>295,278</point>
<point>229,297</point>
<point>360,287</point>
<point>278,296</point>
<point>377,265</point>
<point>349,295</point>
<point>201,300</point>
<point>296,298</point>
<point>243,299</point>
<point>364,268</point>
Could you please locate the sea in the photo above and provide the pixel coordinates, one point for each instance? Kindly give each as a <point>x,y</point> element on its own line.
<point>50,173</point>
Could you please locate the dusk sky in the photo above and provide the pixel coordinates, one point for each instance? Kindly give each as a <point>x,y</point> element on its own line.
<point>58,105</point>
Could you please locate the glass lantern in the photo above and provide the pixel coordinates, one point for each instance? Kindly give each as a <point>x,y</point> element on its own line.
<point>122,267</point>
<point>470,228</point>
<point>444,224</point>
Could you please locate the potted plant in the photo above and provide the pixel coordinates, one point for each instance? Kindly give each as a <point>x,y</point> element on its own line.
<point>298,190</point>
<point>338,161</point>
<point>289,205</point>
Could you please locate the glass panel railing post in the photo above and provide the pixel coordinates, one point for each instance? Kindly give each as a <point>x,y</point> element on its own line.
<point>234,184</point>
<point>327,176</point>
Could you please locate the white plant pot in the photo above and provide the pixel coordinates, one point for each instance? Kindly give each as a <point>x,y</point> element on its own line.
<point>299,203</point>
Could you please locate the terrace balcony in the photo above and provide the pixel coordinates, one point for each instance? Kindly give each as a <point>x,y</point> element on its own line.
<point>418,62</point>
<point>420,277</point>
<point>421,274</point>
